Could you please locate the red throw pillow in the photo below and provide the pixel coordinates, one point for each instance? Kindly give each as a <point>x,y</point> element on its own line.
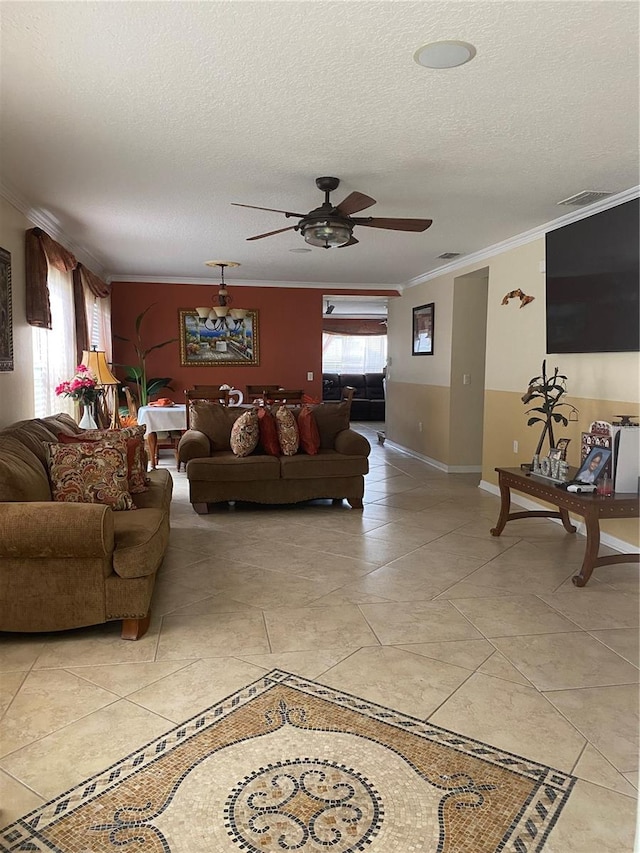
<point>308,429</point>
<point>268,434</point>
<point>307,398</point>
<point>136,464</point>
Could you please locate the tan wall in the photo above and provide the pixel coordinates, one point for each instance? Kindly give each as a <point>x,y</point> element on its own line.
<point>16,386</point>
<point>408,405</point>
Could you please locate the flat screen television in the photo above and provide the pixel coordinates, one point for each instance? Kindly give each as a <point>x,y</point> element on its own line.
<point>593,283</point>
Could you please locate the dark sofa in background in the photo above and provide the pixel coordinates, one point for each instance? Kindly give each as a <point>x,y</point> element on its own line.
<point>368,401</point>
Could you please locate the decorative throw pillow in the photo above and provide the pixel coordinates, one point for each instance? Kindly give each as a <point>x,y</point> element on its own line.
<point>331,419</point>
<point>287,431</point>
<point>244,433</point>
<point>308,429</point>
<point>134,445</point>
<point>90,472</point>
<point>268,433</point>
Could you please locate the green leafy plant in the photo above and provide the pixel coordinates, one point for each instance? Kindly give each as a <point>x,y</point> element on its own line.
<point>137,373</point>
<point>548,390</point>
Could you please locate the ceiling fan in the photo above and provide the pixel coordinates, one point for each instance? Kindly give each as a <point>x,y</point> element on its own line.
<point>332,227</point>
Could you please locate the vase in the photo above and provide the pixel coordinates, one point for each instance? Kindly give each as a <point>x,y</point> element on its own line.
<point>87,421</point>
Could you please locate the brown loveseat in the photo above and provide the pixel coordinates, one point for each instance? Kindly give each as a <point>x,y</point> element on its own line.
<point>67,565</point>
<point>215,474</point>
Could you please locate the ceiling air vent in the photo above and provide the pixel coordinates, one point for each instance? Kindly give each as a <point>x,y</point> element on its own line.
<point>446,256</point>
<point>585,197</point>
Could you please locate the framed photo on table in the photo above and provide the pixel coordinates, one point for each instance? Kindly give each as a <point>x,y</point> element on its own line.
<point>594,465</point>
<point>208,342</point>
<point>423,327</point>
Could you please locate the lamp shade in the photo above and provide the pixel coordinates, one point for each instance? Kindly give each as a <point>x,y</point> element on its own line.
<point>96,361</point>
<point>327,233</point>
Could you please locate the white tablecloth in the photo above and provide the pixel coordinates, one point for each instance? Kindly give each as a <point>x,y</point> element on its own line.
<point>163,418</point>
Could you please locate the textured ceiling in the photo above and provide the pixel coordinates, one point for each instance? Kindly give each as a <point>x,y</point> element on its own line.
<point>132,126</point>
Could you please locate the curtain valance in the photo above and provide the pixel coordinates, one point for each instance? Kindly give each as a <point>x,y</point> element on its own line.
<point>41,249</point>
<point>350,326</point>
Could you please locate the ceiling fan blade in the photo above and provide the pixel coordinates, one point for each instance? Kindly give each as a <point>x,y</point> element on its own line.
<point>272,209</point>
<point>395,224</point>
<point>271,233</point>
<point>355,202</point>
<point>350,242</point>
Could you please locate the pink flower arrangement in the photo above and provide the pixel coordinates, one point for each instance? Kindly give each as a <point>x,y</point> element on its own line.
<point>82,387</point>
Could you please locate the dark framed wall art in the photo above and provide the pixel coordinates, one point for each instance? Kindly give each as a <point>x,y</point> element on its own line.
<point>6,319</point>
<point>423,328</point>
<point>211,341</point>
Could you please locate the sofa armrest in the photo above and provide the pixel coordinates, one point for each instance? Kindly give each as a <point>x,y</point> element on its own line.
<point>193,445</point>
<point>352,443</point>
<point>37,529</point>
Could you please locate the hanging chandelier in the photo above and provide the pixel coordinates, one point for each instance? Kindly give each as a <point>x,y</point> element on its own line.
<point>222,314</point>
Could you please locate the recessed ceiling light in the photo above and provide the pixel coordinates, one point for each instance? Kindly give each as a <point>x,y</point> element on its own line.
<point>444,54</point>
<point>299,251</point>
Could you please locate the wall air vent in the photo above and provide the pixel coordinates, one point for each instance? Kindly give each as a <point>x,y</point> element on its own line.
<point>446,256</point>
<point>585,197</point>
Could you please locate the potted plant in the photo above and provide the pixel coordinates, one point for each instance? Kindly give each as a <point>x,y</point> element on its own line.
<point>137,373</point>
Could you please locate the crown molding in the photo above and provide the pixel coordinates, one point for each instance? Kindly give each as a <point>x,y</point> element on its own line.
<point>525,237</point>
<point>236,282</point>
<point>49,224</point>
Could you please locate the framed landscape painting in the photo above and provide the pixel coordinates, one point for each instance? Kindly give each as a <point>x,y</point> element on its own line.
<point>211,341</point>
<point>6,319</point>
<point>423,322</point>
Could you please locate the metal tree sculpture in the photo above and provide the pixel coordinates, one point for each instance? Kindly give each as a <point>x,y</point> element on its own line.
<point>548,390</point>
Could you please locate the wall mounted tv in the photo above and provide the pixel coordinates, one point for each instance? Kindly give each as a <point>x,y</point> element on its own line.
<point>593,283</point>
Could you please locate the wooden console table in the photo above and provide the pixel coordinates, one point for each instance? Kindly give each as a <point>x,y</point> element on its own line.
<point>591,507</point>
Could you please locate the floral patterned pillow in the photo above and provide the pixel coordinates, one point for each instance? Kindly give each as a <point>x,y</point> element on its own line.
<point>287,431</point>
<point>90,472</point>
<point>131,439</point>
<point>244,433</point>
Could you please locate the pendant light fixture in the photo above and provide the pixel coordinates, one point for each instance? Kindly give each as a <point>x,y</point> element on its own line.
<point>222,313</point>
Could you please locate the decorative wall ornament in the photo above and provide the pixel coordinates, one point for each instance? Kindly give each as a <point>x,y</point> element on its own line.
<point>6,319</point>
<point>517,294</point>
<point>549,390</point>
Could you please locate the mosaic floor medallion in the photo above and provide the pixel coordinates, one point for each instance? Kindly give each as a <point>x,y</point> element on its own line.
<point>289,764</point>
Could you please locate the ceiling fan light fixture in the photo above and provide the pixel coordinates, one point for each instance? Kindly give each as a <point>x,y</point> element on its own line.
<point>444,54</point>
<point>327,233</point>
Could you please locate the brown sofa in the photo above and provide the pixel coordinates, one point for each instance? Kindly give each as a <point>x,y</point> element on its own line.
<point>67,565</point>
<point>215,474</point>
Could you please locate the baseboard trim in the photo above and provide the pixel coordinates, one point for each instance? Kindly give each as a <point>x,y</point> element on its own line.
<point>448,469</point>
<point>605,538</point>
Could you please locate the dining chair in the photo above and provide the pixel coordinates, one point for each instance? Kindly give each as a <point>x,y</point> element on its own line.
<point>260,392</point>
<point>286,395</point>
<point>199,393</point>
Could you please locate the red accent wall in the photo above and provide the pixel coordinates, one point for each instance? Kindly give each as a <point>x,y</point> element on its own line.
<point>289,329</point>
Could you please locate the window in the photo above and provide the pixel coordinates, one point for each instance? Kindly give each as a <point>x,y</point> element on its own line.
<point>353,353</point>
<point>54,350</point>
<point>98,312</point>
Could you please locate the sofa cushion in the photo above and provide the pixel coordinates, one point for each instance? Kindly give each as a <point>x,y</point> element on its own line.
<point>140,539</point>
<point>287,428</point>
<point>331,418</point>
<point>23,477</point>
<point>327,463</point>
<point>308,429</point>
<point>223,466</point>
<point>133,447</point>
<point>244,433</point>
<point>91,472</point>
<point>215,421</point>
<point>157,495</point>
<point>375,387</point>
<point>331,386</point>
<point>268,433</point>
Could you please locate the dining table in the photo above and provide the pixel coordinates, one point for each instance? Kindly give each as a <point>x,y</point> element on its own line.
<point>161,419</point>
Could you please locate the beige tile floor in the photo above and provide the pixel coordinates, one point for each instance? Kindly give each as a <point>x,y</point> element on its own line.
<point>410,603</point>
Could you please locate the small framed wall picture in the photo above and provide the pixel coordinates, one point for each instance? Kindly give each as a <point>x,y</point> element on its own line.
<point>423,328</point>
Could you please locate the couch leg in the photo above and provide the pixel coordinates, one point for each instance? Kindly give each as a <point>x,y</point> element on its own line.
<point>201,509</point>
<point>356,503</point>
<point>133,629</point>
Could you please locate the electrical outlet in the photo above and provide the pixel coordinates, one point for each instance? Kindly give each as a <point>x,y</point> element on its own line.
<point>309,376</point>
<point>515,446</point>
<point>466,379</point>
<point>419,426</point>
